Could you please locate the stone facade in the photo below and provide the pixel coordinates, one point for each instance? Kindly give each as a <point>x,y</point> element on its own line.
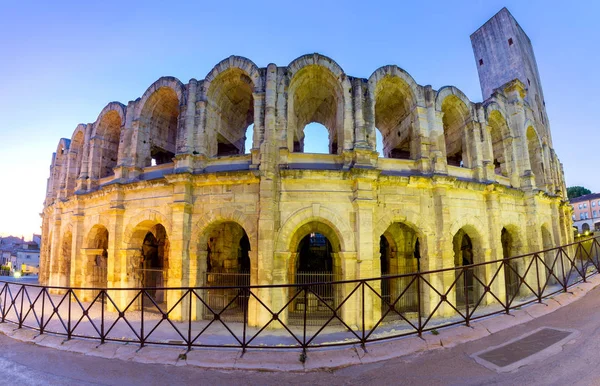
<point>166,179</point>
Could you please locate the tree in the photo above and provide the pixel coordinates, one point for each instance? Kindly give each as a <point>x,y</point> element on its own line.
<point>577,191</point>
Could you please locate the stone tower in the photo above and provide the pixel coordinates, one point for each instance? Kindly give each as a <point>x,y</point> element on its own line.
<point>503,52</point>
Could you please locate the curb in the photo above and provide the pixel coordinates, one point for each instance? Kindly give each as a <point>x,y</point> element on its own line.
<point>317,359</point>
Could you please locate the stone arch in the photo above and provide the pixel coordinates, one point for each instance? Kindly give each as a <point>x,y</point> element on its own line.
<point>456,117</point>
<point>219,216</point>
<point>65,257</point>
<point>143,221</point>
<point>341,228</point>
<point>394,94</point>
<point>512,245</point>
<point>75,158</point>
<point>319,91</point>
<point>237,62</point>
<point>95,261</point>
<point>467,245</point>
<point>230,105</point>
<point>412,220</point>
<point>500,137</point>
<point>106,140</point>
<point>536,156</point>
<point>158,115</point>
<point>59,167</point>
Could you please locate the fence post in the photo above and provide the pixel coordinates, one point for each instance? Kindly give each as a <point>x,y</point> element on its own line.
<point>102,303</point>
<point>190,292</point>
<point>466,290</point>
<point>419,305</point>
<point>562,266</point>
<point>21,313</point>
<point>363,315</point>
<point>537,275</point>
<point>69,315</point>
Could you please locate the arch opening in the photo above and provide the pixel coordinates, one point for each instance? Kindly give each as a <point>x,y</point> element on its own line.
<point>511,268</point>
<point>466,252</point>
<point>498,132</point>
<point>230,112</point>
<point>399,254</point>
<point>227,249</point>
<point>315,259</point>
<point>536,159</point>
<point>315,96</point>
<point>158,122</point>
<point>455,118</point>
<point>394,106</point>
<point>75,160</point>
<point>97,261</point>
<point>64,264</point>
<point>108,134</point>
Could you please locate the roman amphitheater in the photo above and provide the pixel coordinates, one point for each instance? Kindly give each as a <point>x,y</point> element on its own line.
<point>163,192</point>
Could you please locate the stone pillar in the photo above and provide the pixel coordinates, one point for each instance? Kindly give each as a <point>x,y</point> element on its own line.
<point>178,265</point>
<point>268,204</point>
<point>435,126</point>
<point>492,202</point>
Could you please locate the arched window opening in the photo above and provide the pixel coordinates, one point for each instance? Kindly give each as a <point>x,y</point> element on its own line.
<point>315,96</point>
<point>159,119</point>
<point>248,142</point>
<point>316,140</point>
<point>551,261</point>
<point>467,287</point>
<point>64,264</point>
<point>499,132</point>
<point>230,111</point>
<point>98,261</point>
<point>154,263</point>
<point>455,119</point>
<point>394,104</point>
<point>400,254</point>
<point>511,268</point>
<point>379,143</point>
<point>227,265</point>
<point>75,158</point>
<point>536,159</point>
<point>108,134</point>
<point>585,227</point>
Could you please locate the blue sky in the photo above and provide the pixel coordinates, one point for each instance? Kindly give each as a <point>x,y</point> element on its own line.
<point>63,61</point>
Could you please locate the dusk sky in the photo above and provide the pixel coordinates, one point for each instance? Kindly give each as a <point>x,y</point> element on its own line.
<point>63,61</point>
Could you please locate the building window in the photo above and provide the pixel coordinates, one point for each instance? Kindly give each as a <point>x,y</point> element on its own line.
<point>481,62</point>
<point>585,204</point>
<point>579,206</point>
<point>573,217</point>
<point>510,41</point>
<point>581,216</point>
<point>587,215</point>
<point>594,214</point>
<point>593,203</point>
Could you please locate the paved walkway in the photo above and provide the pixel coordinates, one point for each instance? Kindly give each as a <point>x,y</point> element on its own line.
<point>576,363</point>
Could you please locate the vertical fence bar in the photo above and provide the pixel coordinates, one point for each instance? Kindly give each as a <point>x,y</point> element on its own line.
<point>69,314</point>
<point>245,321</point>
<point>21,312</point>
<point>562,266</point>
<point>419,305</point>
<point>102,304</point>
<point>363,315</point>
<point>190,292</point>
<point>304,319</point>
<point>466,291</point>
<point>142,292</point>
<point>43,310</point>
<point>537,275</point>
<point>4,312</point>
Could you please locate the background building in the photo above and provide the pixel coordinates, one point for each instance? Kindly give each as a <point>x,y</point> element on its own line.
<point>586,212</point>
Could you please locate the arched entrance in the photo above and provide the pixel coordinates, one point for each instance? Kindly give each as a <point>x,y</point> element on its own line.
<point>511,268</point>
<point>227,265</point>
<point>467,287</point>
<point>153,263</point>
<point>315,260</point>
<point>97,258</point>
<point>550,257</point>
<point>64,264</point>
<point>399,251</point>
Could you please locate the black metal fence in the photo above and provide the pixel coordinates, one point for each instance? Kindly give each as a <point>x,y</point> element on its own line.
<point>301,315</point>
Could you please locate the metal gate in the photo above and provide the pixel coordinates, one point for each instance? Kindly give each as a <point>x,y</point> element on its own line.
<point>318,299</point>
<point>230,303</point>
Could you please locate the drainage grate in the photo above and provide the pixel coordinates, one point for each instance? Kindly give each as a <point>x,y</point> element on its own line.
<point>523,350</point>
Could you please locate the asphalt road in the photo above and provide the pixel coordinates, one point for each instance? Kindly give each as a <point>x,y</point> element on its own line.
<point>578,363</point>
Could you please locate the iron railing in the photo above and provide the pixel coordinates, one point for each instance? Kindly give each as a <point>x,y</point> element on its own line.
<point>349,311</point>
